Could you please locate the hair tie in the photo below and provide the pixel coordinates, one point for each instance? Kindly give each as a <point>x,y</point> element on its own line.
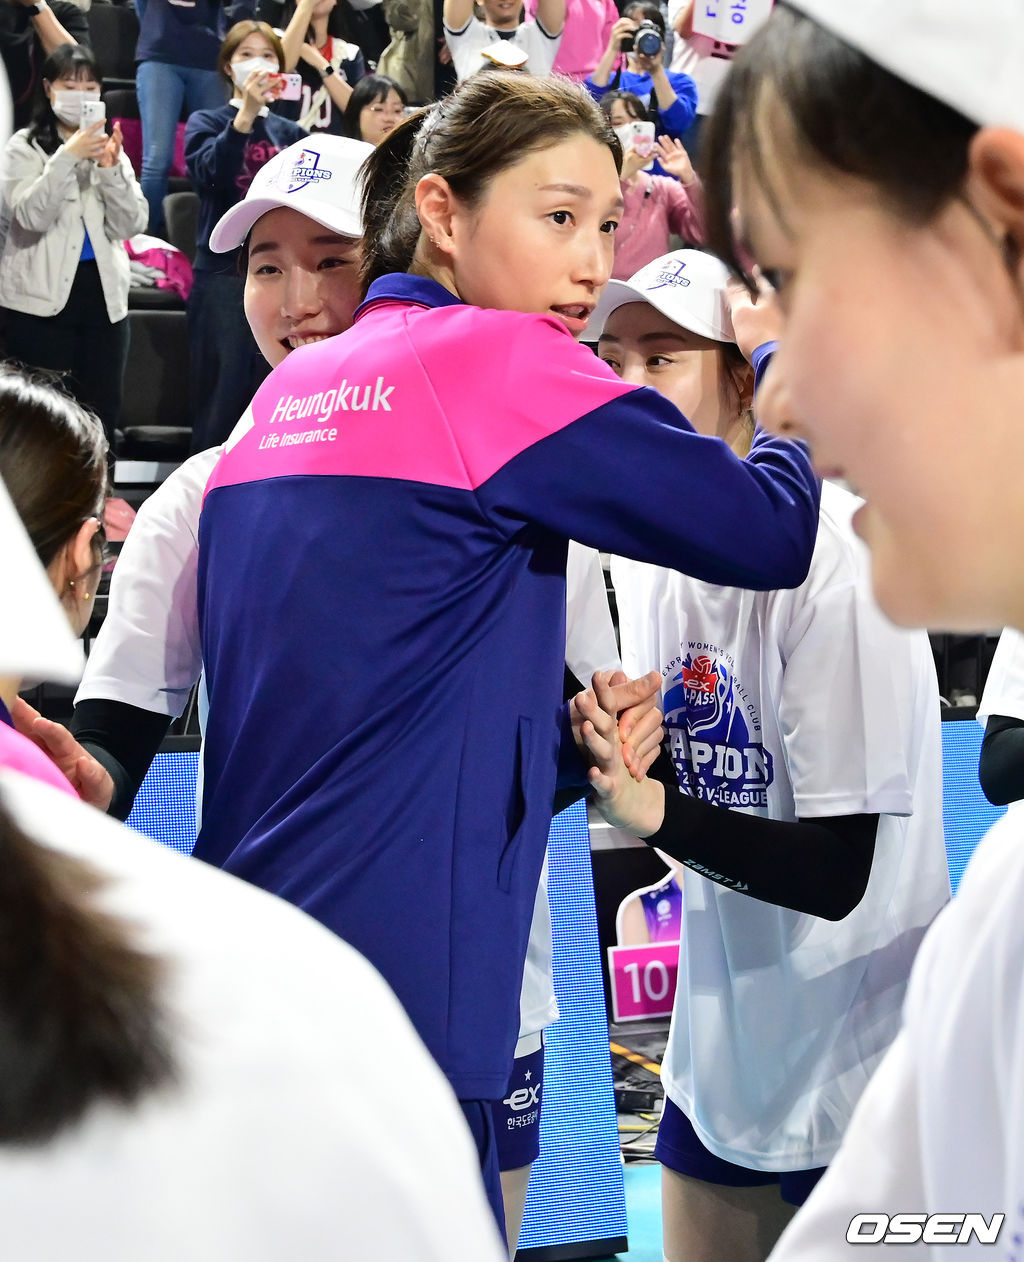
<point>428,127</point>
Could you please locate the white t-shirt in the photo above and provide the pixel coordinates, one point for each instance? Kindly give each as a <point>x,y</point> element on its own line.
<point>940,1128</point>
<point>589,646</point>
<point>788,704</point>
<point>1004,687</point>
<point>278,1140</point>
<point>147,653</point>
<point>467,44</point>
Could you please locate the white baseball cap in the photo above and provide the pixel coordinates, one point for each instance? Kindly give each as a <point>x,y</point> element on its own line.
<point>319,177</point>
<point>686,286</point>
<point>36,640</point>
<point>968,55</point>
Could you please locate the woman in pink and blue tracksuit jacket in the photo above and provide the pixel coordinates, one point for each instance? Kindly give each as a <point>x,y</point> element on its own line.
<point>382,560</point>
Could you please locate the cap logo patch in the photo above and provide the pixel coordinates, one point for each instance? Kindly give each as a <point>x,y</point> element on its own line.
<point>671,273</point>
<point>304,170</point>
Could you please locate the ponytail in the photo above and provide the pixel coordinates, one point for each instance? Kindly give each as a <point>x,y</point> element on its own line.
<point>80,1020</point>
<point>391,226</point>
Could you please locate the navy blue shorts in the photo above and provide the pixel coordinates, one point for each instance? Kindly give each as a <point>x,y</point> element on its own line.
<point>480,1120</point>
<point>680,1149</point>
<point>517,1117</point>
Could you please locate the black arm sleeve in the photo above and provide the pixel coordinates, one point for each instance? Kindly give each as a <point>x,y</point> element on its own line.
<point>1001,766</point>
<point>817,866</point>
<point>125,739</point>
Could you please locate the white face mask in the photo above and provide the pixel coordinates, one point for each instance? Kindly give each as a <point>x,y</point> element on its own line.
<point>67,103</point>
<point>241,70</point>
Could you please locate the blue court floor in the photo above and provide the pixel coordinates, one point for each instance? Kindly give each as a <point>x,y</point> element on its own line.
<point>643,1214</point>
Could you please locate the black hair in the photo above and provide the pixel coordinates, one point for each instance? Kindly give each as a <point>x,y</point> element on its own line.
<point>53,458</point>
<point>80,1021</point>
<point>633,103</point>
<point>370,88</point>
<point>485,126</point>
<point>75,61</point>
<point>795,86</point>
<point>80,1017</point>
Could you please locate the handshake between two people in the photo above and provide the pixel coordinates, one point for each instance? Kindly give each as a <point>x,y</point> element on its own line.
<point>618,729</point>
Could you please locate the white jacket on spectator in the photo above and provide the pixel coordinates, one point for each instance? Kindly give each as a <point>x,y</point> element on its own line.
<point>49,198</point>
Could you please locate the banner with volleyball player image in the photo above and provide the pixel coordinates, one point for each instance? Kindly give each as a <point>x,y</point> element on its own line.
<point>643,965</point>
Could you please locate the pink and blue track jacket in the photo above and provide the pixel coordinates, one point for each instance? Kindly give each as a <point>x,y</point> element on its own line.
<point>382,602</point>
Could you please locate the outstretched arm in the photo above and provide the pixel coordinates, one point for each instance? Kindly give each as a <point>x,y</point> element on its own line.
<point>52,32</point>
<point>294,35</point>
<point>819,867</point>
<point>89,778</point>
<point>457,13</point>
<point>551,15</point>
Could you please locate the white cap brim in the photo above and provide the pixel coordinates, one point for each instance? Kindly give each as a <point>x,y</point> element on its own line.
<point>36,640</point>
<point>966,55</point>
<point>233,227</point>
<point>701,306</point>
<point>320,177</point>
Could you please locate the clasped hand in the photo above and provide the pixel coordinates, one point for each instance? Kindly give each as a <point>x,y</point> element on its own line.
<point>619,727</point>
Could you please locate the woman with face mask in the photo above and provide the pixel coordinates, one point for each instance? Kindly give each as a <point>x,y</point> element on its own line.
<point>224,148</point>
<point>73,198</point>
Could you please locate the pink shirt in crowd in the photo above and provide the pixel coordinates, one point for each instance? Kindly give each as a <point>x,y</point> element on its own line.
<point>20,754</point>
<point>655,207</point>
<point>588,27</point>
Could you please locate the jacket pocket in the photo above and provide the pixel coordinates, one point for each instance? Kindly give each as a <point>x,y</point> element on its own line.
<point>517,807</point>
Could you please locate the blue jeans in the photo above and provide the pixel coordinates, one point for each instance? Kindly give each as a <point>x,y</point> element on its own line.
<point>162,88</point>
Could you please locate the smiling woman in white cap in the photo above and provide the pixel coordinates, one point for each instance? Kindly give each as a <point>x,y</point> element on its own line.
<point>876,153</point>
<point>801,787</point>
<point>300,225</point>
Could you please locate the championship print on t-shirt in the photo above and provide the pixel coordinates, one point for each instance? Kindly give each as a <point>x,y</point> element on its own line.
<point>713,731</point>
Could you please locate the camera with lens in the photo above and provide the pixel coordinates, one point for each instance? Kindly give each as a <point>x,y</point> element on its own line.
<point>646,40</point>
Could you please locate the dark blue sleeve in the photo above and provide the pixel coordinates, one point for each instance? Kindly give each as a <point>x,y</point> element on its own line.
<point>761,359</point>
<point>677,118</point>
<point>634,478</point>
<point>214,150</point>
<point>572,770</point>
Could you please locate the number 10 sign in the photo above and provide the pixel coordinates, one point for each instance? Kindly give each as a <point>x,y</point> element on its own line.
<point>643,980</point>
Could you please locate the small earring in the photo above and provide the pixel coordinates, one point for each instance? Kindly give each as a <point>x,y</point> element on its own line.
<point>71,588</point>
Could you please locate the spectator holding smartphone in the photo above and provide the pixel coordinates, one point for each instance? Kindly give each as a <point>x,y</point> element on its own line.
<point>672,95</point>
<point>224,148</point>
<point>661,193</point>
<point>177,56</point>
<point>73,198</point>
<point>329,66</point>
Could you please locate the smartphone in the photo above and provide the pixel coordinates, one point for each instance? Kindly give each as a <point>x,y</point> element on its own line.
<point>292,90</point>
<point>92,112</point>
<point>643,137</point>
